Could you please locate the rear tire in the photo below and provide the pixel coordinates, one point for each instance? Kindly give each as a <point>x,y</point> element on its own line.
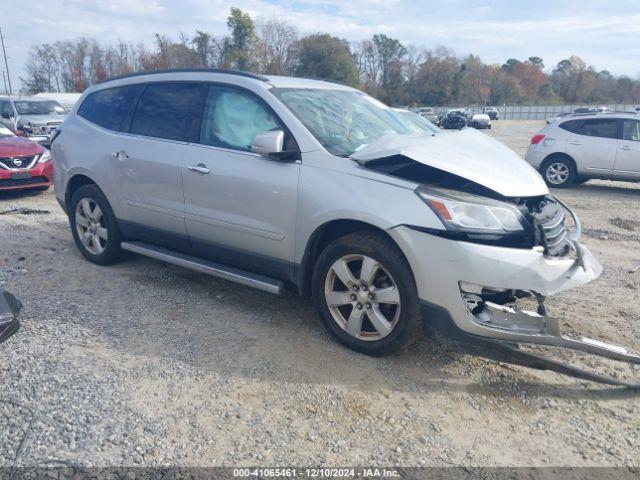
<point>94,226</point>
<point>376,309</point>
<point>558,171</point>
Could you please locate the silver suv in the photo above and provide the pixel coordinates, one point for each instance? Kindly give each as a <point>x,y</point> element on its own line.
<point>277,182</point>
<point>34,118</point>
<point>584,146</point>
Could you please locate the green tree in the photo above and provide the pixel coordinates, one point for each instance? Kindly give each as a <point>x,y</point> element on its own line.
<point>239,48</point>
<point>537,61</point>
<point>324,56</point>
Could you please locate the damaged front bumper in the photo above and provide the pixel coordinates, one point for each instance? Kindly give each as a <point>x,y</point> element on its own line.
<point>471,291</point>
<point>10,308</point>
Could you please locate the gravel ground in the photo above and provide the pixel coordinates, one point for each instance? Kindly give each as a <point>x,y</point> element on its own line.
<point>148,364</point>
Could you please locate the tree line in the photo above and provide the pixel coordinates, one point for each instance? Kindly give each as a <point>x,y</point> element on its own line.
<point>393,72</point>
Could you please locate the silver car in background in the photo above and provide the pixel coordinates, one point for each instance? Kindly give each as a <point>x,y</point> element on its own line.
<point>277,182</point>
<point>32,117</point>
<point>584,146</point>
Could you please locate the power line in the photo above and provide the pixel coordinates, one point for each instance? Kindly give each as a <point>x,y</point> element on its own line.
<point>6,64</point>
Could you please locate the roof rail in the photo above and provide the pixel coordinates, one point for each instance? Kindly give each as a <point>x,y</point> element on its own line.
<point>187,70</point>
<point>608,112</point>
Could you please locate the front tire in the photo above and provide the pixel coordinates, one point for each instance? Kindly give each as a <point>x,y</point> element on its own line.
<point>94,226</point>
<point>365,294</point>
<point>558,172</point>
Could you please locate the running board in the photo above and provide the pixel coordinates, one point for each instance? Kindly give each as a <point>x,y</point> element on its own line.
<point>205,266</point>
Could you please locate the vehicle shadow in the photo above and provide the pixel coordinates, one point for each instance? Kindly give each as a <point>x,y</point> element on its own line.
<point>20,193</point>
<point>235,331</point>
<point>608,188</point>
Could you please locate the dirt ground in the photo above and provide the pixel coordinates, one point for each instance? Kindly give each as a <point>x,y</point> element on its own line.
<point>145,363</point>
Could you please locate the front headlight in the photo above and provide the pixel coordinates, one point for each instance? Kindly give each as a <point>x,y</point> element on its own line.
<point>44,156</point>
<point>473,214</point>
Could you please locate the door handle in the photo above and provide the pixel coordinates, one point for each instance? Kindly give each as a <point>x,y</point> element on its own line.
<point>625,147</point>
<point>201,168</point>
<point>121,155</point>
<point>575,143</point>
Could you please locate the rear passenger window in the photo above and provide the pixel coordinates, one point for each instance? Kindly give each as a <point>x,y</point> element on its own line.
<point>572,126</point>
<point>600,127</point>
<point>109,108</point>
<point>169,110</point>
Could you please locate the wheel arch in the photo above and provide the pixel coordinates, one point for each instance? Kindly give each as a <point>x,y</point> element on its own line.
<point>75,182</point>
<point>322,236</point>
<point>558,155</point>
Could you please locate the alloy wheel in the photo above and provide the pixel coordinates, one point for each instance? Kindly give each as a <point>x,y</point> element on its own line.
<point>363,297</point>
<point>557,173</point>
<point>91,226</point>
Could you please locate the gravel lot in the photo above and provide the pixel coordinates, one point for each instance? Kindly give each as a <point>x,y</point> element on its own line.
<point>145,363</point>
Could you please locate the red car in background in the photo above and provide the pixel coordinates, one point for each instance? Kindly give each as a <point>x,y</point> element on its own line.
<point>23,163</point>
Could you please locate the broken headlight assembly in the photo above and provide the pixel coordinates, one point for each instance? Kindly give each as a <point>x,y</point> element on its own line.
<point>478,219</point>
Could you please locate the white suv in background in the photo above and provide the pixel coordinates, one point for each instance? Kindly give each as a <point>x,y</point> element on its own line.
<point>596,145</point>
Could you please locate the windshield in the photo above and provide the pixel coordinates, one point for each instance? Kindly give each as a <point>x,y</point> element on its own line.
<point>343,121</point>
<point>417,123</point>
<point>36,107</point>
<point>5,132</point>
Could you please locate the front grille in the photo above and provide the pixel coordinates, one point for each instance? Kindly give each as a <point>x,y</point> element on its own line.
<point>23,182</point>
<point>9,162</point>
<point>551,230</point>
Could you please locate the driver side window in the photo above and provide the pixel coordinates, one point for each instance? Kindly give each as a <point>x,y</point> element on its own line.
<point>233,117</point>
<point>7,111</point>
<point>631,130</point>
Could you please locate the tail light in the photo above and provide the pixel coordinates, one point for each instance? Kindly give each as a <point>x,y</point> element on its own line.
<point>536,139</point>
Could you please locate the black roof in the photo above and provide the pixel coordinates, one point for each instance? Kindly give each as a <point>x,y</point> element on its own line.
<point>187,70</point>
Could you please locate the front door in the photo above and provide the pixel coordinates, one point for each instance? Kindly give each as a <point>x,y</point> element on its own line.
<point>594,146</point>
<point>240,207</point>
<point>627,164</point>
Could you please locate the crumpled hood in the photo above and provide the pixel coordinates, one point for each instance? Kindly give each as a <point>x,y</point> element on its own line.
<point>468,154</point>
<point>40,119</point>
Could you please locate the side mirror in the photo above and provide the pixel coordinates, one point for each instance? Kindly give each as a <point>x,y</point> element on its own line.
<point>268,143</point>
<point>6,115</point>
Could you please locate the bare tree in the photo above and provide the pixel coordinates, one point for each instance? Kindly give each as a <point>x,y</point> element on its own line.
<point>277,47</point>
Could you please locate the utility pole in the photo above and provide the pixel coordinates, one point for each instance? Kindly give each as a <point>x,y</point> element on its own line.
<point>6,64</point>
<point>4,80</point>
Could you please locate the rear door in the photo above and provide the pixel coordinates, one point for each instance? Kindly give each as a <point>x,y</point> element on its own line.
<point>594,146</point>
<point>627,164</point>
<point>240,207</point>
<point>148,161</point>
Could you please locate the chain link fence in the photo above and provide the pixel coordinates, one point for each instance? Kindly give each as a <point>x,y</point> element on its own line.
<point>540,112</point>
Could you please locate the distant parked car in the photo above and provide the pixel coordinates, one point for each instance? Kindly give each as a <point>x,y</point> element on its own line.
<point>454,121</point>
<point>492,112</point>
<point>34,118</point>
<point>480,120</point>
<point>23,163</point>
<point>415,122</point>
<point>599,145</point>
<point>592,110</point>
<point>456,111</point>
<point>428,113</point>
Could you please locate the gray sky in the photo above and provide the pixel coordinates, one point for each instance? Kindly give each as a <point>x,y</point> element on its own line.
<point>605,34</point>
